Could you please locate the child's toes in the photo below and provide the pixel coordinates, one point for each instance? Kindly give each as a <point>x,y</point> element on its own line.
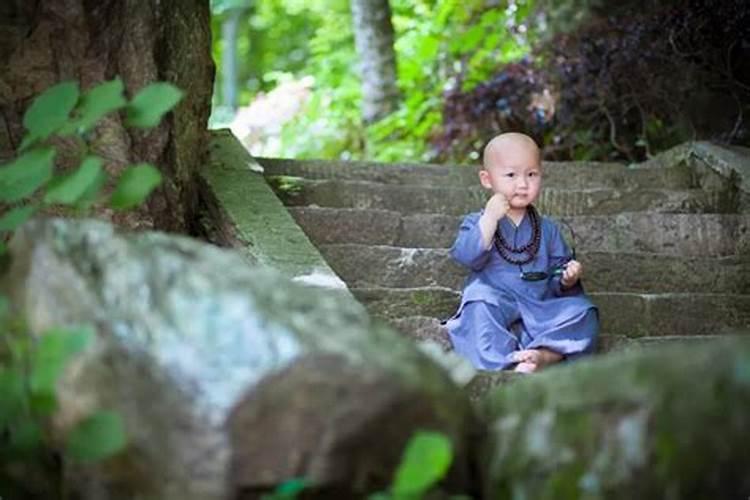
<point>525,367</point>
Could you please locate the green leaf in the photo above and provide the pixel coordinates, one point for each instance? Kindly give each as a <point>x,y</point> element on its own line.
<point>470,40</point>
<point>444,14</point>
<point>11,394</point>
<point>291,488</point>
<point>428,48</point>
<point>56,347</point>
<point>151,103</point>
<point>98,437</point>
<point>71,188</point>
<point>49,111</point>
<point>134,186</point>
<point>98,102</point>
<point>26,174</point>
<point>91,194</point>
<point>426,460</point>
<point>15,217</point>
<point>25,436</point>
<point>43,404</point>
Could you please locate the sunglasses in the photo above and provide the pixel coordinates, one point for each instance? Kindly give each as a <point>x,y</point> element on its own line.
<point>557,270</point>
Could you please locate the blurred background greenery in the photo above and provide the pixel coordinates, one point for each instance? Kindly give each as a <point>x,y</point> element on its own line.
<point>590,79</point>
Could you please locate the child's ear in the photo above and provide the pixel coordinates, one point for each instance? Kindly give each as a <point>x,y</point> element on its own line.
<point>484,179</point>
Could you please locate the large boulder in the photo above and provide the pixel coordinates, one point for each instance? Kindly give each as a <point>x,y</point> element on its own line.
<point>230,379</point>
<point>669,423</point>
<point>43,42</point>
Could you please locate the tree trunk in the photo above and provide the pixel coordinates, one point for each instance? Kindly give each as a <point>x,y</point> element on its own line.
<point>373,34</point>
<point>43,42</point>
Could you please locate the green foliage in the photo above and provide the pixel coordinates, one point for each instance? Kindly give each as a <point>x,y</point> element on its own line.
<point>29,370</point>
<point>97,103</point>
<point>288,490</point>
<point>435,39</point>
<point>69,189</point>
<point>31,366</point>
<point>49,112</point>
<point>425,461</point>
<point>15,217</point>
<point>61,110</point>
<point>97,437</point>
<point>151,103</point>
<point>134,186</point>
<point>27,173</point>
<point>272,42</point>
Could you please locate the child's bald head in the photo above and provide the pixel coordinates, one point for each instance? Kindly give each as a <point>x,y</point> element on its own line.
<point>512,167</point>
<point>509,148</point>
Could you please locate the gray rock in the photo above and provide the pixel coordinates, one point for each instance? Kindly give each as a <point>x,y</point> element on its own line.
<point>632,314</point>
<point>230,380</point>
<point>658,423</point>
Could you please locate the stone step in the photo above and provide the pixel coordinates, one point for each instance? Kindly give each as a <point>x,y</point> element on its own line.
<point>452,201</point>
<point>385,266</point>
<point>628,314</point>
<point>568,175</point>
<point>672,234</point>
<point>425,328</point>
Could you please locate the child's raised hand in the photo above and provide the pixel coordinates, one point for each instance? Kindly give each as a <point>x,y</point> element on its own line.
<point>497,206</point>
<point>571,274</point>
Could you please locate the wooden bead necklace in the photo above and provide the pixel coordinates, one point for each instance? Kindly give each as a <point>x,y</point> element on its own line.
<point>530,248</point>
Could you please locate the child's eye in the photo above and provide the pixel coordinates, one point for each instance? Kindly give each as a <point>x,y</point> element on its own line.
<point>533,174</point>
<point>510,174</point>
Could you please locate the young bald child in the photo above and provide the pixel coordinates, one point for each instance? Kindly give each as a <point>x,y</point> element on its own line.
<point>522,306</point>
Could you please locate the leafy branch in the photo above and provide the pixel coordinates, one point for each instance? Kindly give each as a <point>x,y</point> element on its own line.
<point>29,183</point>
<point>31,365</point>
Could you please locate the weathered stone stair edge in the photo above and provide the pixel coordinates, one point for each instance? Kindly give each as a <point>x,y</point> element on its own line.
<point>395,267</point>
<point>694,234</point>
<point>558,174</point>
<point>630,314</point>
<point>445,252</point>
<point>730,164</point>
<point>264,230</point>
<point>426,328</point>
<point>411,199</point>
<point>357,168</point>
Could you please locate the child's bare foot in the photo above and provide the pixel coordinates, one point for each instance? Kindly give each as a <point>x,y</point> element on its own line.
<point>532,360</point>
<point>525,367</point>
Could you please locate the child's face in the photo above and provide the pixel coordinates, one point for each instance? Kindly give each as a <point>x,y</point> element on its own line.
<point>515,172</point>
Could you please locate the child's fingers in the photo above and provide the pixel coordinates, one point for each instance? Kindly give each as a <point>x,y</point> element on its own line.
<point>575,269</point>
<point>568,275</point>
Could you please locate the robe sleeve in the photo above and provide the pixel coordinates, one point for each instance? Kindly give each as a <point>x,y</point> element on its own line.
<point>559,255</point>
<point>468,250</point>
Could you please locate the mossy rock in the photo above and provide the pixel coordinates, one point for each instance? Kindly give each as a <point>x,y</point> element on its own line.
<point>667,423</point>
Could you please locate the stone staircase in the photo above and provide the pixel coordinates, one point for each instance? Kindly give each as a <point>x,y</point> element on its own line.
<point>665,244</point>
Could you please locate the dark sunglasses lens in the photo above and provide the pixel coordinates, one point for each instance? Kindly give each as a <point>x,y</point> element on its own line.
<point>534,276</point>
